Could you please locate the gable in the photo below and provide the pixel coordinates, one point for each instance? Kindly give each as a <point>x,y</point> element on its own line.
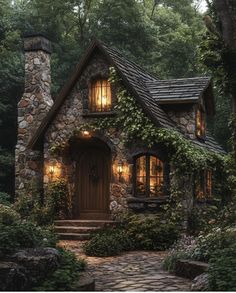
<point>150,92</point>
<point>133,77</point>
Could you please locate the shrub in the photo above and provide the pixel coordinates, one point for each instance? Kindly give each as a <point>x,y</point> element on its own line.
<point>8,215</point>
<point>183,249</point>
<point>24,234</point>
<point>151,233</point>
<point>217,239</point>
<point>222,272</point>
<point>66,277</point>
<point>24,205</point>
<point>5,198</point>
<point>104,243</point>
<point>134,232</point>
<point>57,199</point>
<point>202,218</point>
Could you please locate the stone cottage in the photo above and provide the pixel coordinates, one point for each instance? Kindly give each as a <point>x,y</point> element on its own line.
<point>103,174</point>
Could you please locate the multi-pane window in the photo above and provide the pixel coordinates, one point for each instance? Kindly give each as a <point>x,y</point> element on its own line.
<point>204,185</point>
<point>149,176</point>
<point>200,123</point>
<point>100,96</point>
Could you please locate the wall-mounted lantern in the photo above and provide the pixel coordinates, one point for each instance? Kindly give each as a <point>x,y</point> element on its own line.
<point>52,168</point>
<point>86,133</point>
<point>120,169</point>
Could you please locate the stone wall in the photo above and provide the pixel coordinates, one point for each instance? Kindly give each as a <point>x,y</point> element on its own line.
<point>71,116</point>
<point>32,108</point>
<point>185,117</point>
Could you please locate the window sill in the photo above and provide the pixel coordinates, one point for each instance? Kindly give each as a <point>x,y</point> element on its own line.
<point>141,204</point>
<point>99,114</point>
<point>207,201</point>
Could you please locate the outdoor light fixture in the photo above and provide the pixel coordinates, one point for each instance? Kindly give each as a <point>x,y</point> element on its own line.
<point>86,133</point>
<point>52,168</point>
<point>120,169</point>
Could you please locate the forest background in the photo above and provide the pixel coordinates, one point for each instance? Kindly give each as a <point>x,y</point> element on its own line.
<point>171,39</point>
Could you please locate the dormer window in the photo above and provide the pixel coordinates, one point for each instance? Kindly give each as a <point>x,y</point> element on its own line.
<point>100,96</point>
<point>200,123</point>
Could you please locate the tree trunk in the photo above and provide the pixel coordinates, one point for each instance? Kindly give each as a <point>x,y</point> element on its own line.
<point>225,10</point>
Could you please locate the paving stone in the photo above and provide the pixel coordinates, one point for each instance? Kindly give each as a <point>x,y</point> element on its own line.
<point>131,271</point>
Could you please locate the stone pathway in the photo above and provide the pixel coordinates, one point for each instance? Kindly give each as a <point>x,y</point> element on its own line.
<point>130,271</point>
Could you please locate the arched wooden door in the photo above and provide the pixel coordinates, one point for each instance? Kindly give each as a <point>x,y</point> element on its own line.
<point>93,183</point>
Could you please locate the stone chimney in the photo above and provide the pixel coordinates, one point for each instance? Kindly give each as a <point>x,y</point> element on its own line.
<point>33,107</point>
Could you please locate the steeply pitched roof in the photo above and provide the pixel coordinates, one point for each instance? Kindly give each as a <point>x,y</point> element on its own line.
<point>183,90</point>
<point>132,75</point>
<point>149,91</point>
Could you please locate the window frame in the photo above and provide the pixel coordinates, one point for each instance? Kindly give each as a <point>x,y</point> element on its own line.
<point>202,129</point>
<point>201,183</point>
<point>93,108</point>
<point>147,184</point>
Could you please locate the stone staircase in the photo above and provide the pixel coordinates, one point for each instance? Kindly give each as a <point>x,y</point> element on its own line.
<point>79,229</point>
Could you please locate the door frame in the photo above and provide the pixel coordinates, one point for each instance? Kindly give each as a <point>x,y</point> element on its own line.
<point>82,151</point>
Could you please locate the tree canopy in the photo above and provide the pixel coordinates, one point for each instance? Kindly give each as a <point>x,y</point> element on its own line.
<point>162,35</point>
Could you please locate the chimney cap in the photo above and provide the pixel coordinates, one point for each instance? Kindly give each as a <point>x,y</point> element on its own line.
<point>36,41</point>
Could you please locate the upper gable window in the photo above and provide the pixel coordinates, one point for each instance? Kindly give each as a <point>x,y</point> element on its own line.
<point>200,123</point>
<point>100,96</point>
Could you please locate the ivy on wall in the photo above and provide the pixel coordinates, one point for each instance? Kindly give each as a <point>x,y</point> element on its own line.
<point>136,125</point>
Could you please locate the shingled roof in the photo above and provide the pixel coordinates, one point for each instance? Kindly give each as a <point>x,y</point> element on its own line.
<point>149,91</point>
<point>182,90</point>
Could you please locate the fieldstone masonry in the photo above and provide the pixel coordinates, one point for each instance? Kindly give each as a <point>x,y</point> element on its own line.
<point>32,108</point>
<point>35,104</point>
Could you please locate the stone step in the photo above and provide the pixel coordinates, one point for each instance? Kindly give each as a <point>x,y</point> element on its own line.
<point>84,223</point>
<point>73,236</point>
<point>74,229</point>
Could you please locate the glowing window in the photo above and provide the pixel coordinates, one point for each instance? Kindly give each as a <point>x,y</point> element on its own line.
<point>100,96</point>
<point>200,123</point>
<point>204,185</point>
<point>149,176</point>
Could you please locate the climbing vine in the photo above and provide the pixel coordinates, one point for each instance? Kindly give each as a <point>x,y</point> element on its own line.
<point>136,125</point>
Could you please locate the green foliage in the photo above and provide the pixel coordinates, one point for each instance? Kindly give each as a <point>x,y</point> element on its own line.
<point>216,239</point>
<point>134,232</point>
<point>202,217</point>
<point>57,199</point>
<point>8,215</point>
<point>24,234</point>
<point>55,204</point>
<point>5,198</point>
<point>66,277</point>
<point>222,271</point>
<point>182,249</point>
<point>151,232</point>
<point>104,243</point>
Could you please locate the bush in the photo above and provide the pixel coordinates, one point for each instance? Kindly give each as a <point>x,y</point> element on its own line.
<point>150,233</point>
<point>66,277</point>
<point>104,243</point>
<point>5,198</point>
<point>24,234</point>
<point>183,249</point>
<point>24,205</point>
<point>217,239</point>
<point>134,232</point>
<point>57,199</point>
<point>222,272</point>
<point>8,215</point>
